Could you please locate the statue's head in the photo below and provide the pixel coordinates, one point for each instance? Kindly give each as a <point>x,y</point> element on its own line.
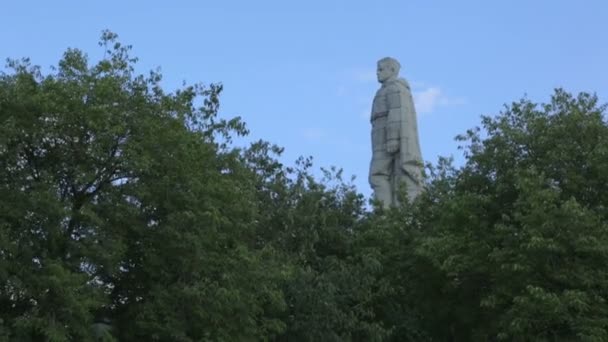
<point>388,67</point>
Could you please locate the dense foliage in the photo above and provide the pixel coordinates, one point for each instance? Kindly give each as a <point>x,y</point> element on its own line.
<point>126,214</point>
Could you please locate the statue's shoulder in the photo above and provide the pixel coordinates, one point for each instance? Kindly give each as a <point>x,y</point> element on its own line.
<point>398,85</point>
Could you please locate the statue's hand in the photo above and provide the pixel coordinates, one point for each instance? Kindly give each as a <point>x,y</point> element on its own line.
<point>392,146</point>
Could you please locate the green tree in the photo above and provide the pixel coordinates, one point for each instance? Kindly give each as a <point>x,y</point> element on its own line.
<point>520,231</point>
<point>313,224</point>
<point>121,202</point>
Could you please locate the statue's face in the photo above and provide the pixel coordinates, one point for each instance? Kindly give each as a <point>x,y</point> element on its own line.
<point>384,72</point>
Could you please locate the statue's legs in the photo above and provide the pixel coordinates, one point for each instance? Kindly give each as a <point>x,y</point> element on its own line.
<point>380,177</point>
<point>408,176</point>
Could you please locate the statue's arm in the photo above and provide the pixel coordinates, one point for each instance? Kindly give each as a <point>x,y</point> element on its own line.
<point>393,126</point>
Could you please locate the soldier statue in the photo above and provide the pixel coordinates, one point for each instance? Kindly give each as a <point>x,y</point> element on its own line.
<point>396,159</point>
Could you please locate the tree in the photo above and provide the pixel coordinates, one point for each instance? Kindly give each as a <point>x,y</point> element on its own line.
<point>313,225</point>
<point>120,201</point>
<point>520,231</point>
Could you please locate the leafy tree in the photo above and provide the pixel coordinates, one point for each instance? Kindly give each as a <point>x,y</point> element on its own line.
<point>520,231</point>
<point>119,202</point>
<point>313,224</point>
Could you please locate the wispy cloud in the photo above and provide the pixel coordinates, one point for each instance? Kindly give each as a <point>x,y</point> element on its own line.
<point>313,134</point>
<point>364,75</point>
<point>428,99</point>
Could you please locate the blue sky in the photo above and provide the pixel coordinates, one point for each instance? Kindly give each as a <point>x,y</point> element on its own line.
<point>301,73</point>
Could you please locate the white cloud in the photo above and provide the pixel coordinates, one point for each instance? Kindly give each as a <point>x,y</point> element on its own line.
<point>428,99</point>
<point>364,75</point>
<point>313,134</point>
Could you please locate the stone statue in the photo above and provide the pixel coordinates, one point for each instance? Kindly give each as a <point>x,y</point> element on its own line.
<point>396,158</point>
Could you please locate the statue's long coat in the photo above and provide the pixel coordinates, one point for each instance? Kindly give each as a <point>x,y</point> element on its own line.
<point>394,119</point>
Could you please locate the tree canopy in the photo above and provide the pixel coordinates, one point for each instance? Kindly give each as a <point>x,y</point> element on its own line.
<point>127,214</point>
